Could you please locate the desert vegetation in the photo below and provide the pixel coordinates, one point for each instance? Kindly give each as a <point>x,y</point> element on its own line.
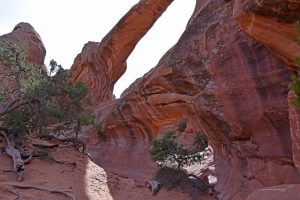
<point>41,102</point>
<point>172,157</point>
<point>167,152</point>
<point>295,83</point>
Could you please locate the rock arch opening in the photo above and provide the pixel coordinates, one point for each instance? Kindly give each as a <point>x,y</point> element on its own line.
<point>160,38</point>
<point>217,77</point>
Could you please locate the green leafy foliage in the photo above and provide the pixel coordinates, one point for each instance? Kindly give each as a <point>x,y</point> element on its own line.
<point>15,70</point>
<point>200,141</point>
<point>297,40</point>
<point>55,111</point>
<point>295,80</point>
<point>182,125</point>
<point>44,154</point>
<point>32,100</point>
<point>86,118</point>
<point>166,151</point>
<point>171,178</point>
<point>295,87</point>
<point>297,61</point>
<point>17,121</point>
<point>100,131</point>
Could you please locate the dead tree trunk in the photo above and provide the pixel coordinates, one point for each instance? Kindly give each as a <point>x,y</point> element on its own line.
<point>14,153</point>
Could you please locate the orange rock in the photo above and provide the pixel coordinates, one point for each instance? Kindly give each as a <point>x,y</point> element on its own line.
<point>26,37</point>
<point>223,77</point>
<point>101,64</point>
<point>275,32</point>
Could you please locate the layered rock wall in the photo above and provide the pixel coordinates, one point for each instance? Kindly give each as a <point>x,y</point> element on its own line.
<point>227,76</point>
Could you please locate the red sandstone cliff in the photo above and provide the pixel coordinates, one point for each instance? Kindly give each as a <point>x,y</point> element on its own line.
<point>64,168</point>
<point>27,39</point>
<point>227,76</point>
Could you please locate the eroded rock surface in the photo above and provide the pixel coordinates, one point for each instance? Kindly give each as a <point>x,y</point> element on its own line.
<point>227,76</point>
<point>28,40</point>
<point>101,64</point>
<point>271,23</point>
<point>294,116</point>
<point>278,192</point>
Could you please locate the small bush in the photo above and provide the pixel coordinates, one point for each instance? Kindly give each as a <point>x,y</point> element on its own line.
<point>100,131</point>
<point>167,152</point>
<point>295,83</point>
<point>171,178</point>
<point>200,141</point>
<point>182,125</point>
<point>295,87</point>
<point>44,154</point>
<point>297,61</point>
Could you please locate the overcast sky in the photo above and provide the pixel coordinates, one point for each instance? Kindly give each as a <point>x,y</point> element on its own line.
<point>66,25</point>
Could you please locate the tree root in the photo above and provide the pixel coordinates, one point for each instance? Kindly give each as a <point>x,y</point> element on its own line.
<point>63,192</point>
<point>5,171</point>
<point>76,142</point>
<point>73,164</point>
<point>19,196</point>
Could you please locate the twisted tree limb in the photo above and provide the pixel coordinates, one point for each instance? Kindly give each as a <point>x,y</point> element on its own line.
<point>76,142</point>
<point>19,196</point>
<point>15,104</point>
<point>18,163</point>
<point>22,186</point>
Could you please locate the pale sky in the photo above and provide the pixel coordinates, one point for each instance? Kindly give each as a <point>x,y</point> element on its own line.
<point>66,25</point>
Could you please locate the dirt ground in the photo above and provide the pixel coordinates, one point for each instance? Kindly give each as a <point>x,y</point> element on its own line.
<point>75,174</point>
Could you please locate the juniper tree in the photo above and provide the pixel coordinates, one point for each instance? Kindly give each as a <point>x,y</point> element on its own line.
<point>31,99</point>
<point>166,151</point>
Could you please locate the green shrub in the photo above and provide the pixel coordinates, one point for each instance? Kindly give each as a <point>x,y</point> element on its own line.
<point>200,141</point>
<point>171,178</point>
<point>39,99</point>
<point>297,40</point>
<point>44,154</point>
<point>182,125</point>
<point>100,131</point>
<point>167,152</point>
<point>295,87</point>
<point>295,80</point>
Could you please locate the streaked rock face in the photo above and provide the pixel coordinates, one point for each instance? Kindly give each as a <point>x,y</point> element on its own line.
<point>294,117</point>
<point>227,76</point>
<point>27,38</point>
<point>271,23</point>
<point>101,64</point>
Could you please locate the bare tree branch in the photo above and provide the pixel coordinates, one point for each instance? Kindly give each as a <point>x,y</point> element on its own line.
<point>63,192</point>
<point>14,105</point>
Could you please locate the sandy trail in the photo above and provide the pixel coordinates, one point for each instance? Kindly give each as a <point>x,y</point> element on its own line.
<point>77,173</point>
